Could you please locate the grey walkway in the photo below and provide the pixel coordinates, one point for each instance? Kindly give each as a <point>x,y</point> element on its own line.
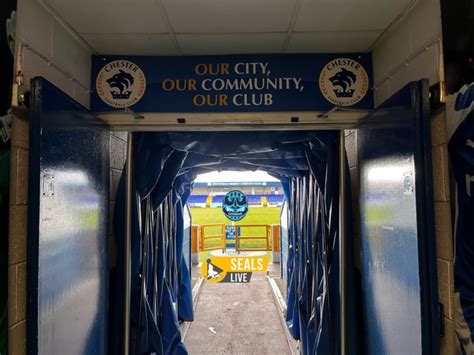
<point>237,319</point>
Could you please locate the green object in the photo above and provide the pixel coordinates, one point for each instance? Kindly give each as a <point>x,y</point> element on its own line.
<point>4,190</point>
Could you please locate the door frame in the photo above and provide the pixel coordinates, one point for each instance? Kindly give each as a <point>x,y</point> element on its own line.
<point>426,238</point>
<point>430,305</point>
<point>337,119</point>
<point>36,189</point>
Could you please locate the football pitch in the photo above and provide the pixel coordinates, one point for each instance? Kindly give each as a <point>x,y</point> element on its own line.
<point>256,215</point>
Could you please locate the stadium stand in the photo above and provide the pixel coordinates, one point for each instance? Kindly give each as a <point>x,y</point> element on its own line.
<point>218,199</point>
<point>197,199</point>
<point>275,200</point>
<point>258,193</point>
<point>253,200</point>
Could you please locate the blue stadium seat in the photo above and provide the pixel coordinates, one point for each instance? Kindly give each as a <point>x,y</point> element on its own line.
<point>275,198</point>
<point>254,199</point>
<point>218,199</point>
<point>197,199</point>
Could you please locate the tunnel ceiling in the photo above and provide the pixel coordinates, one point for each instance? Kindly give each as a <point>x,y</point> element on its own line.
<point>187,27</point>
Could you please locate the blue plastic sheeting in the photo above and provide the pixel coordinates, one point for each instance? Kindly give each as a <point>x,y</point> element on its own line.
<point>284,241</point>
<point>165,165</point>
<point>313,264</point>
<point>460,117</point>
<point>187,221</point>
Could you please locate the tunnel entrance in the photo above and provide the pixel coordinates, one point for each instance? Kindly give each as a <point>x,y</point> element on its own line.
<point>234,212</point>
<point>68,221</point>
<point>238,314</point>
<point>165,165</point>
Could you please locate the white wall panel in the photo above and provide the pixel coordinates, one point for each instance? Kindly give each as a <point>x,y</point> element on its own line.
<point>231,43</point>
<point>218,16</point>
<point>132,44</point>
<point>424,66</point>
<point>135,26</point>
<point>392,51</point>
<point>35,25</point>
<point>42,33</point>
<point>69,54</point>
<point>347,15</point>
<point>99,16</point>
<point>382,93</point>
<point>332,42</point>
<point>410,52</point>
<point>33,66</point>
<point>425,23</point>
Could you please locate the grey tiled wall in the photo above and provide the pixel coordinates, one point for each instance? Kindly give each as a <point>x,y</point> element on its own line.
<point>17,238</point>
<point>444,228</point>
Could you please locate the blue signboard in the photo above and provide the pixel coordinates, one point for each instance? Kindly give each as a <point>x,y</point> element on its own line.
<point>230,236</point>
<point>237,83</point>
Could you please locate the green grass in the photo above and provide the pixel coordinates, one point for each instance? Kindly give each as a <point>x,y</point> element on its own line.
<point>262,215</point>
<point>255,215</point>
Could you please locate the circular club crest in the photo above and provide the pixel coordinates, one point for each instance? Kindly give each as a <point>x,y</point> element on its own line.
<point>120,83</point>
<point>343,82</point>
<point>235,205</point>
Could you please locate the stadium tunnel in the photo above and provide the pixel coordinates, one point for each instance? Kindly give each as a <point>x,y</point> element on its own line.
<point>67,151</point>
<point>151,284</point>
<point>168,78</point>
<point>164,167</point>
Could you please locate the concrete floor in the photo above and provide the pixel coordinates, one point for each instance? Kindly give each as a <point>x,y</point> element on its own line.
<point>237,319</point>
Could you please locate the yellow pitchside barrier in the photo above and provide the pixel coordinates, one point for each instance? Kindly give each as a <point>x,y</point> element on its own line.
<point>240,236</point>
<point>248,237</point>
<point>218,239</point>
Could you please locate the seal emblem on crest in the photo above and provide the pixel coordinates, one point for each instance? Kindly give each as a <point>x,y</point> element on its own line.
<point>121,83</point>
<point>235,205</point>
<point>343,82</point>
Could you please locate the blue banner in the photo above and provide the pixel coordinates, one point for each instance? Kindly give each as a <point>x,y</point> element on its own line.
<point>238,83</point>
